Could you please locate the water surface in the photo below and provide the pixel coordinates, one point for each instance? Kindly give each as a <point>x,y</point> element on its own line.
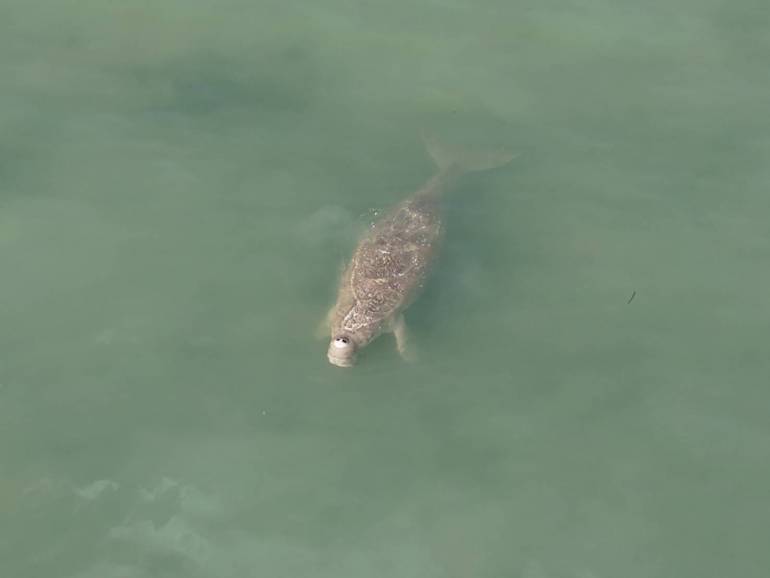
<point>179,184</point>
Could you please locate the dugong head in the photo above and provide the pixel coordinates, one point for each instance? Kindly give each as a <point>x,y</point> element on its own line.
<point>342,351</point>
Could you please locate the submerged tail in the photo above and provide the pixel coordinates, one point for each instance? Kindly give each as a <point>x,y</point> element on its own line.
<point>446,156</point>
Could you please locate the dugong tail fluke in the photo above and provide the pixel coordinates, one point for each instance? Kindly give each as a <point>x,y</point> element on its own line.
<point>448,156</point>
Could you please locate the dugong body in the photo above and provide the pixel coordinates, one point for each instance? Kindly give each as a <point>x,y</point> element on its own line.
<point>392,261</point>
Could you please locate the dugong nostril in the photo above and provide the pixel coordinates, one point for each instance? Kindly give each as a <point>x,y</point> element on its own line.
<point>341,342</point>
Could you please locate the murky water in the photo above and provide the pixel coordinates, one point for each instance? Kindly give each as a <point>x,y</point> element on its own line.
<point>179,185</point>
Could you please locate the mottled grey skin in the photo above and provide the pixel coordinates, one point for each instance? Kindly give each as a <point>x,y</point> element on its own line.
<point>392,261</point>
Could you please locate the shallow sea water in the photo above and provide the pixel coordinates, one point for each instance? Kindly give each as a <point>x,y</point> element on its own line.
<point>179,185</point>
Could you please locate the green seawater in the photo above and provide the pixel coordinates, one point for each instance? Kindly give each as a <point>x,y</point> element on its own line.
<point>180,183</point>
